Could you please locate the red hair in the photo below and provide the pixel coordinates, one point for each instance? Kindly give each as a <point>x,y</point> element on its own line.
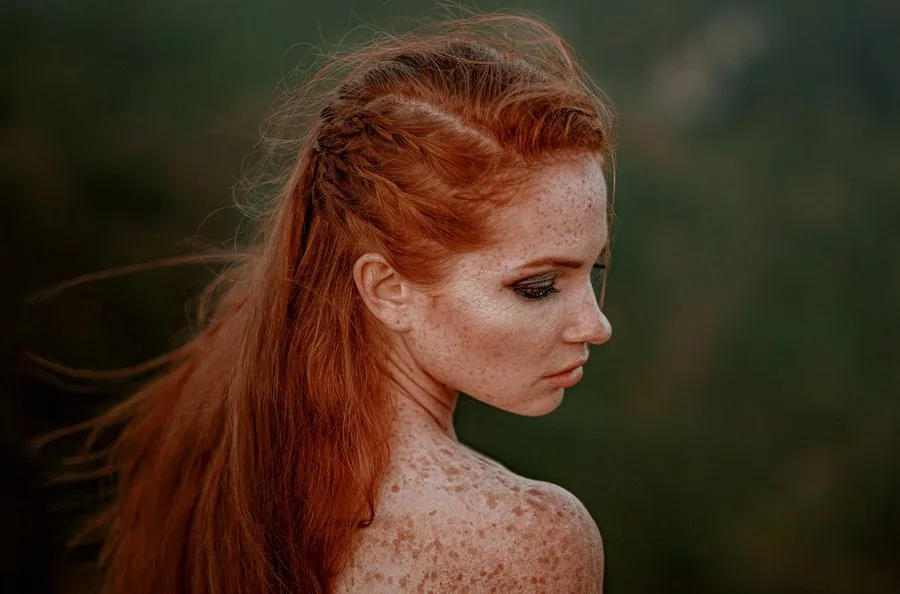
<point>254,457</point>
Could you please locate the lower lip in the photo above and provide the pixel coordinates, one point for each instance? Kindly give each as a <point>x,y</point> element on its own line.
<point>567,379</point>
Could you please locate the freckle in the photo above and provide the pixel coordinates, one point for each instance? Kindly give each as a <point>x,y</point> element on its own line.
<point>395,488</point>
<point>554,561</point>
<point>483,573</point>
<point>432,512</point>
<point>437,544</point>
<point>518,510</point>
<point>516,488</point>
<point>560,514</point>
<point>510,527</point>
<point>480,533</point>
<point>534,492</point>
<point>454,555</point>
<point>458,577</point>
<point>537,505</point>
<point>491,500</point>
<point>459,488</point>
<point>402,537</point>
<point>404,581</point>
<point>452,470</point>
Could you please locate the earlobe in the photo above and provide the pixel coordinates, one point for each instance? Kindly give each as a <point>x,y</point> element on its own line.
<point>382,289</point>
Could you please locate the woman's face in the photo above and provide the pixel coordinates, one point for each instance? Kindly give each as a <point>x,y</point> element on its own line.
<point>514,313</point>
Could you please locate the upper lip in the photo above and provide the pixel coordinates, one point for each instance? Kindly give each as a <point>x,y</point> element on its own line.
<point>581,361</point>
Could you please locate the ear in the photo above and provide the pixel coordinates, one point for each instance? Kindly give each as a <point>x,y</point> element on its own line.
<point>387,295</point>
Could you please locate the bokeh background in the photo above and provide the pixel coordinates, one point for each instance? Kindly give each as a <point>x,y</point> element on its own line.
<point>740,432</point>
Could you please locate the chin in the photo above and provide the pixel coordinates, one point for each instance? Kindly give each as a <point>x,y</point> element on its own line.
<point>536,405</point>
<point>540,406</point>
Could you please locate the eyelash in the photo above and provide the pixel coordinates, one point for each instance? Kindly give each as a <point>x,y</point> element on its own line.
<point>543,291</point>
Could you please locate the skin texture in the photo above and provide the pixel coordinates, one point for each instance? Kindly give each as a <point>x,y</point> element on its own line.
<point>448,519</point>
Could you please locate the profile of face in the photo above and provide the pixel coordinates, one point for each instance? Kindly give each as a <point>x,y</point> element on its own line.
<point>519,311</point>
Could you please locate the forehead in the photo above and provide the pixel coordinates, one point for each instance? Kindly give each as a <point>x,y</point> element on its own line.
<point>559,211</point>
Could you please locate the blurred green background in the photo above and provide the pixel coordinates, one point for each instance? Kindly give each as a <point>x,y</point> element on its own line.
<point>740,432</point>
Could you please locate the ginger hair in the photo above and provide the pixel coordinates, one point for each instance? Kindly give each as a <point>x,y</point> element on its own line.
<point>253,457</point>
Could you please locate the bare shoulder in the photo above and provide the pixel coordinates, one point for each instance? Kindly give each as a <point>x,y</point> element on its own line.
<point>550,543</point>
<point>452,521</point>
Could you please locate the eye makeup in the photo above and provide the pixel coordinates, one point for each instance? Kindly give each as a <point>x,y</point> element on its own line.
<point>542,289</point>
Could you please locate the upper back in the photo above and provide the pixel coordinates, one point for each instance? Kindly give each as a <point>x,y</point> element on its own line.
<point>449,520</point>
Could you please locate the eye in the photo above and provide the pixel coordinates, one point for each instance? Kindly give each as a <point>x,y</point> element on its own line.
<point>537,291</point>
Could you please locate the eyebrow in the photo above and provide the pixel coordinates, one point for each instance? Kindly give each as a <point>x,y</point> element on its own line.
<point>563,262</point>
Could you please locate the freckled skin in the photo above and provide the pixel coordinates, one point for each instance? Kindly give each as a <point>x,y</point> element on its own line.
<point>436,533</point>
<point>449,519</point>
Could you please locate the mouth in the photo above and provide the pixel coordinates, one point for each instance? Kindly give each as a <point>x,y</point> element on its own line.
<point>575,365</point>
<point>566,379</point>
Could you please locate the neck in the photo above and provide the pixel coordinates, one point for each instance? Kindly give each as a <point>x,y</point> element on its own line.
<point>417,415</point>
<point>421,402</point>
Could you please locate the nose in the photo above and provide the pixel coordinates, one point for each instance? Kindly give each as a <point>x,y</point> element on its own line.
<point>590,325</point>
<point>603,330</point>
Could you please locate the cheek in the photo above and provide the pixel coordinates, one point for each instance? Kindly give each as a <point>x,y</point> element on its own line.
<point>489,345</point>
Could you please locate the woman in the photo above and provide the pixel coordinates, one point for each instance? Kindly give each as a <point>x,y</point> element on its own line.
<point>435,233</point>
